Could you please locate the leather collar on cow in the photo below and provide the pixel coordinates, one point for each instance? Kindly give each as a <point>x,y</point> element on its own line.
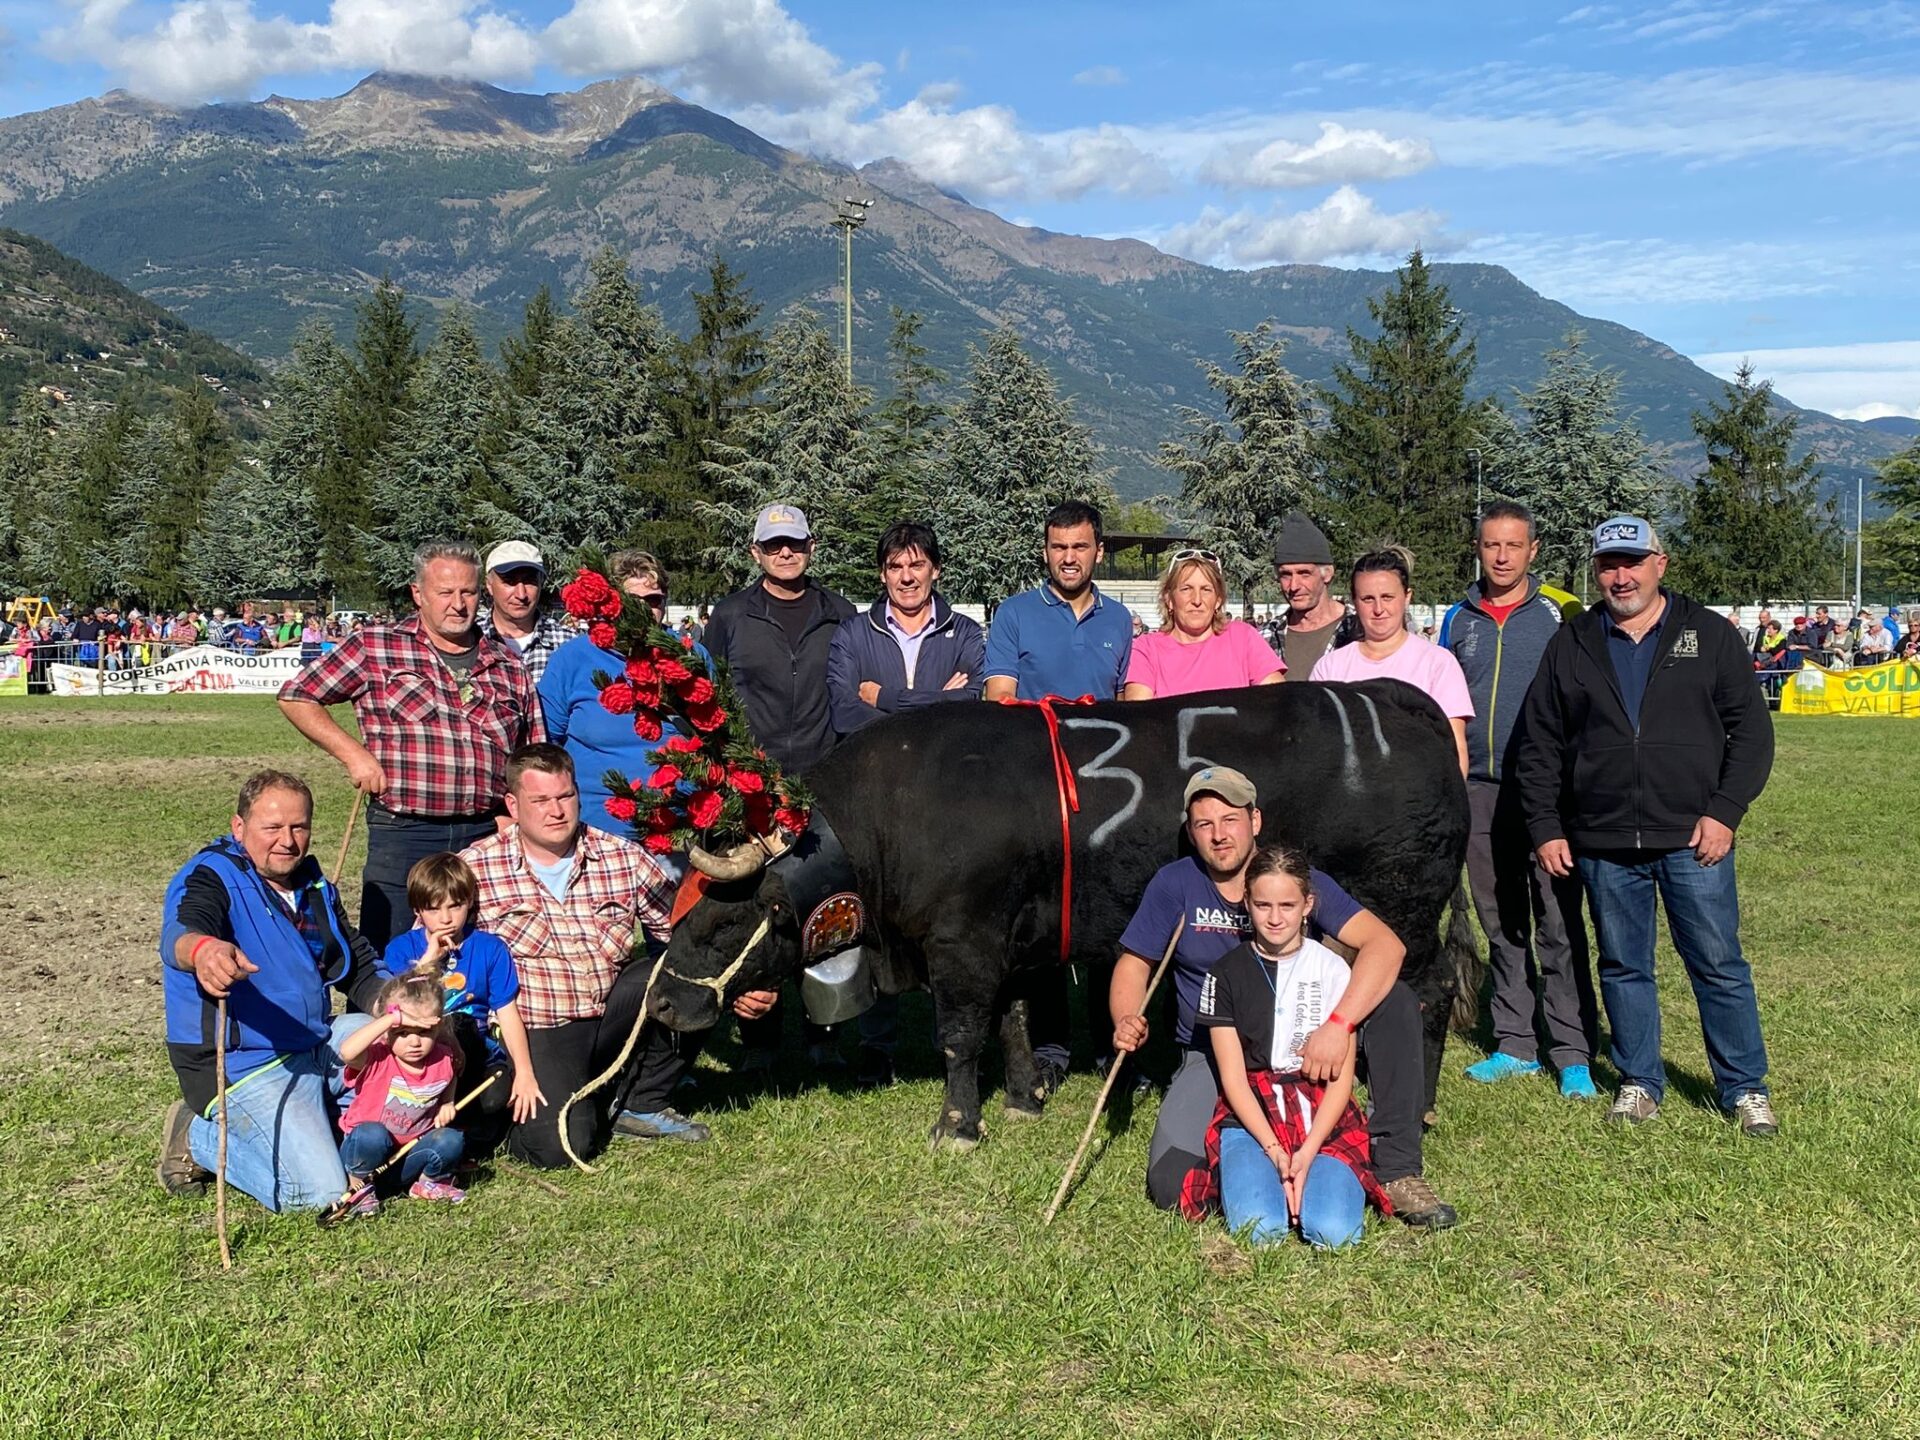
<point>819,881</point>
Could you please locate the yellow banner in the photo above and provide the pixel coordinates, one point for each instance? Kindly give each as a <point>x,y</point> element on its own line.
<point>1889,689</point>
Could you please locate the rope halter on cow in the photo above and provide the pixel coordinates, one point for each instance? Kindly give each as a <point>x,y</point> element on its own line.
<point>719,987</point>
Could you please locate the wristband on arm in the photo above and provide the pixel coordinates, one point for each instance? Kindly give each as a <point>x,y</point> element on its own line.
<point>193,955</point>
<point>1336,1018</point>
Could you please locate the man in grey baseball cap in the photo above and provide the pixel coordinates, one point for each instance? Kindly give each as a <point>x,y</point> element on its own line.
<point>1649,700</point>
<point>519,620</point>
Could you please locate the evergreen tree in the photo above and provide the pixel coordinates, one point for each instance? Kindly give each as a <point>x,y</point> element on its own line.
<point>910,418</point>
<point>375,398</point>
<point>256,533</point>
<point>1754,526</point>
<point>26,466</point>
<point>191,449</point>
<point>710,380</point>
<point>1894,541</point>
<point>1243,473</point>
<point>807,444</point>
<point>442,463</point>
<point>630,353</point>
<point>1575,460</point>
<point>1400,425</point>
<point>76,529</point>
<point>526,356</point>
<point>1012,451</point>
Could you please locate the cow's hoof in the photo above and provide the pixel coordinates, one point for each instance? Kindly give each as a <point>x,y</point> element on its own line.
<point>1018,1109</point>
<point>953,1132</point>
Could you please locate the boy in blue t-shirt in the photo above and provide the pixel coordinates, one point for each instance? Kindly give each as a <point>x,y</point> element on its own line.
<point>482,986</point>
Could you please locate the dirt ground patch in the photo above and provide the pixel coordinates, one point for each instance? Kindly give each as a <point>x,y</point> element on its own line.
<point>216,772</point>
<point>78,971</point>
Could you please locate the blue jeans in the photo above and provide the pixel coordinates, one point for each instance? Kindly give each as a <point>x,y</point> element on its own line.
<point>283,1144</point>
<point>1703,917</point>
<point>1333,1207</point>
<point>368,1145</point>
<point>395,844</point>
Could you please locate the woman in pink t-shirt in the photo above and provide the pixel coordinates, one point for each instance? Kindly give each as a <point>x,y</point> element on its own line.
<point>1382,584</point>
<point>1197,647</point>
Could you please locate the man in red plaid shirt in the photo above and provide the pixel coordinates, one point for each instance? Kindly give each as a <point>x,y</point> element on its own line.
<point>571,902</point>
<point>440,708</point>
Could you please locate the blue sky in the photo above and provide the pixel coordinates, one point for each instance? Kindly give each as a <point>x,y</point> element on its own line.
<point>1733,179</point>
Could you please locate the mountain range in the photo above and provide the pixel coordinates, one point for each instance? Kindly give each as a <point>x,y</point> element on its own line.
<point>246,219</point>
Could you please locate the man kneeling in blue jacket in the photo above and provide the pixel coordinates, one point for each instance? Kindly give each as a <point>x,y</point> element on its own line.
<point>253,919</point>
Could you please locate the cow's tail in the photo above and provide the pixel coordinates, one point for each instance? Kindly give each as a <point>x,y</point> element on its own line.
<point>1461,955</point>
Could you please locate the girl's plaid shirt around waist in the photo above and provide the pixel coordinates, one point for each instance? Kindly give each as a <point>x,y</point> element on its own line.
<point>443,740</point>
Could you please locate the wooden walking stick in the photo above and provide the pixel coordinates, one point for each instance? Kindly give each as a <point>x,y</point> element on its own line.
<point>220,1151</point>
<point>337,1211</point>
<point>339,864</point>
<point>1113,1074</point>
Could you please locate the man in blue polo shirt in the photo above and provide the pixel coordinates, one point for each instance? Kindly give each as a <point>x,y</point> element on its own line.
<point>1062,638</point>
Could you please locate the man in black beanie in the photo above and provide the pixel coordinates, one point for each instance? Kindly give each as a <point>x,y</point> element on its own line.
<point>1314,621</point>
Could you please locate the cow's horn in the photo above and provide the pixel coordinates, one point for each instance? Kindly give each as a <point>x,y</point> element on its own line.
<point>736,864</point>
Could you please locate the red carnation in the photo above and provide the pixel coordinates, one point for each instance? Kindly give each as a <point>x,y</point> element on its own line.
<point>686,641</point>
<point>704,808</point>
<point>759,813</point>
<point>682,745</point>
<point>660,842</point>
<point>665,778</point>
<point>612,606</point>
<point>621,808</point>
<point>586,595</point>
<point>647,727</point>
<point>695,690</point>
<point>790,820</point>
<point>648,696</point>
<point>617,697</point>
<point>662,817</point>
<point>673,672</point>
<point>747,782</point>
<point>602,634</point>
<point>706,718</point>
<point>716,774</point>
<point>640,672</point>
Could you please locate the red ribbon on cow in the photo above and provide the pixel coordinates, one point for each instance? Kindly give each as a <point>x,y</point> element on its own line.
<point>1069,805</point>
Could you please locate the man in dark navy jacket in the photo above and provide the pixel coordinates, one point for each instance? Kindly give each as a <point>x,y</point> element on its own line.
<point>910,649</point>
<point>252,920</point>
<point>1643,742</point>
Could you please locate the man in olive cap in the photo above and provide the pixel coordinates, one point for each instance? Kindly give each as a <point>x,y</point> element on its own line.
<point>1314,621</point>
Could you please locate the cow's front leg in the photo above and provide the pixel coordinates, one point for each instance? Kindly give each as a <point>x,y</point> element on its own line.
<point>1024,1097</point>
<point>961,1014</point>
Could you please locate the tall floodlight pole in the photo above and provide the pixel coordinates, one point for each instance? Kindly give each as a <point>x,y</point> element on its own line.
<point>852,215</point>
<point>1478,505</point>
<point>1859,535</point>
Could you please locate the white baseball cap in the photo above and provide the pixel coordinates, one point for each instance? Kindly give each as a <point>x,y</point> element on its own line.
<point>516,555</point>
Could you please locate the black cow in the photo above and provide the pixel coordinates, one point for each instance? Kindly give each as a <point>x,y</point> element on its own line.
<point>950,818</point>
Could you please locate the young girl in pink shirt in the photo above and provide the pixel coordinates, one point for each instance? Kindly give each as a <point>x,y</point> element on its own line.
<point>401,1070</point>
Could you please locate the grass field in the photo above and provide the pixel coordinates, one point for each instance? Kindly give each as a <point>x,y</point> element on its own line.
<point>815,1271</point>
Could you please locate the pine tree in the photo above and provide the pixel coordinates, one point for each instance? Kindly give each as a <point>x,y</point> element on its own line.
<point>443,459</point>
<point>1753,526</point>
<point>192,446</point>
<point>1895,539</point>
<point>76,529</point>
<point>1012,451</point>
<point>910,419</point>
<point>526,356</point>
<point>1400,426</point>
<point>375,398</point>
<point>629,354</point>
<point>807,444</point>
<point>1243,473</point>
<point>1575,461</point>
<point>26,466</point>
<point>256,533</point>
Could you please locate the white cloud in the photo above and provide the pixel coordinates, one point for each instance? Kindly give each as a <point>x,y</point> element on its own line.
<point>1344,226</point>
<point>1101,75</point>
<point>1856,382</point>
<point>1595,273</point>
<point>1339,155</point>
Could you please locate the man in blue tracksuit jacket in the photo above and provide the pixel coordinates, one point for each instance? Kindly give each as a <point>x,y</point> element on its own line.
<point>1499,633</point>
<point>253,919</point>
<point>908,651</point>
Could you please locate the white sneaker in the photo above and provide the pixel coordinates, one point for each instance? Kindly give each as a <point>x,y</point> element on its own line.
<point>1633,1105</point>
<point>1755,1113</point>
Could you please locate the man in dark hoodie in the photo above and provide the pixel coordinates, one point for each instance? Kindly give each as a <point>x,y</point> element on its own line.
<point>1643,742</point>
<point>1536,940</point>
<point>774,637</point>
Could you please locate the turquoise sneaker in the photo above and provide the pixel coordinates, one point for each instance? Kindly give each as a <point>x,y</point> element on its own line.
<point>1576,1083</point>
<point>1501,1066</point>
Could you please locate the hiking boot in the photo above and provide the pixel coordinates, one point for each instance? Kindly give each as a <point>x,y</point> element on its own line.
<point>428,1188</point>
<point>1576,1083</point>
<point>1500,1066</point>
<point>1634,1105</point>
<point>176,1172</point>
<point>872,1068</point>
<point>1754,1111</point>
<point>666,1124</point>
<point>1415,1204</point>
<point>1049,1076</point>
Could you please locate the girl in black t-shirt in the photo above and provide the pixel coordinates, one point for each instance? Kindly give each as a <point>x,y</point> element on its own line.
<point>1281,1149</point>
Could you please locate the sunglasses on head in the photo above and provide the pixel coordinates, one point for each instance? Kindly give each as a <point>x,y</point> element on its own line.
<point>1181,556</point>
